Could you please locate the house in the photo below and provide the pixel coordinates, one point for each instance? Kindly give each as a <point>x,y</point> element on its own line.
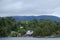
<point>29,32</point>
<point>21,27</point>
<point>13,32</point>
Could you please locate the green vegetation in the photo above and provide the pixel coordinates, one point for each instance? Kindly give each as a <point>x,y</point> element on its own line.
<point>41,28</point>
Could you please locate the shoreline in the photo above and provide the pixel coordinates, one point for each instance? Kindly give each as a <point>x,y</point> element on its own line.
<point>30,37</point>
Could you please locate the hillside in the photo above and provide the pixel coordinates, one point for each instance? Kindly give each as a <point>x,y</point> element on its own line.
<point>28,18</point>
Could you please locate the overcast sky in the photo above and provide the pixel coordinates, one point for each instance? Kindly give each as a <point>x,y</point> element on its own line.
<point>29,7</point>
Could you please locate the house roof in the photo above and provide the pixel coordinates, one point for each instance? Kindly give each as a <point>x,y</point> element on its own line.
<point>29,32</point>
<point>13,32</point>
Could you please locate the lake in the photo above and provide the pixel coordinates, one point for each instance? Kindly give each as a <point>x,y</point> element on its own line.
<point>27,38</point>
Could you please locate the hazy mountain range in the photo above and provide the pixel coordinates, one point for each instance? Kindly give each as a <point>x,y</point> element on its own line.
<point>28,18</point>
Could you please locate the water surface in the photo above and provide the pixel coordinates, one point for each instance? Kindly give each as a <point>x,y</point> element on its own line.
<point>27,38</point>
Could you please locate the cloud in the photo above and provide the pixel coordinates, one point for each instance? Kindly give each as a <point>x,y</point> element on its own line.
<point>29,7</point>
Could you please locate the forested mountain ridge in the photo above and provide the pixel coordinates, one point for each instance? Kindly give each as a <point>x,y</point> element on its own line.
<point>28,18</point>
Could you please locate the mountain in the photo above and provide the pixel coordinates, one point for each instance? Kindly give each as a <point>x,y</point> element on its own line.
<point>28,18</point>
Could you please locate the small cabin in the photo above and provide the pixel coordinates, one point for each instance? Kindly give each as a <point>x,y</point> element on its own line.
<point>21,27</point>
<point>12,32</point>
<point>29,32</point>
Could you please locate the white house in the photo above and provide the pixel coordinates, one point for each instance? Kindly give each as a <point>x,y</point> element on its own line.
<point>29,32</point>
<point>21,27</point>
<point>13,32</point>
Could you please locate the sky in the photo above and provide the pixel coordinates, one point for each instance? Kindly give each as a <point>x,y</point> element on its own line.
<point>29,7</point>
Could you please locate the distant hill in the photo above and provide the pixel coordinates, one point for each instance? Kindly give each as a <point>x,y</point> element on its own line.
<point>28,18</point>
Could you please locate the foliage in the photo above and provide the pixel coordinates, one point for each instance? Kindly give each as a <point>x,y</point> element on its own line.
<point>40,28</point>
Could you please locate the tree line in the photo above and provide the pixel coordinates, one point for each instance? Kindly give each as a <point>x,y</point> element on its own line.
<point>41,28</point>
